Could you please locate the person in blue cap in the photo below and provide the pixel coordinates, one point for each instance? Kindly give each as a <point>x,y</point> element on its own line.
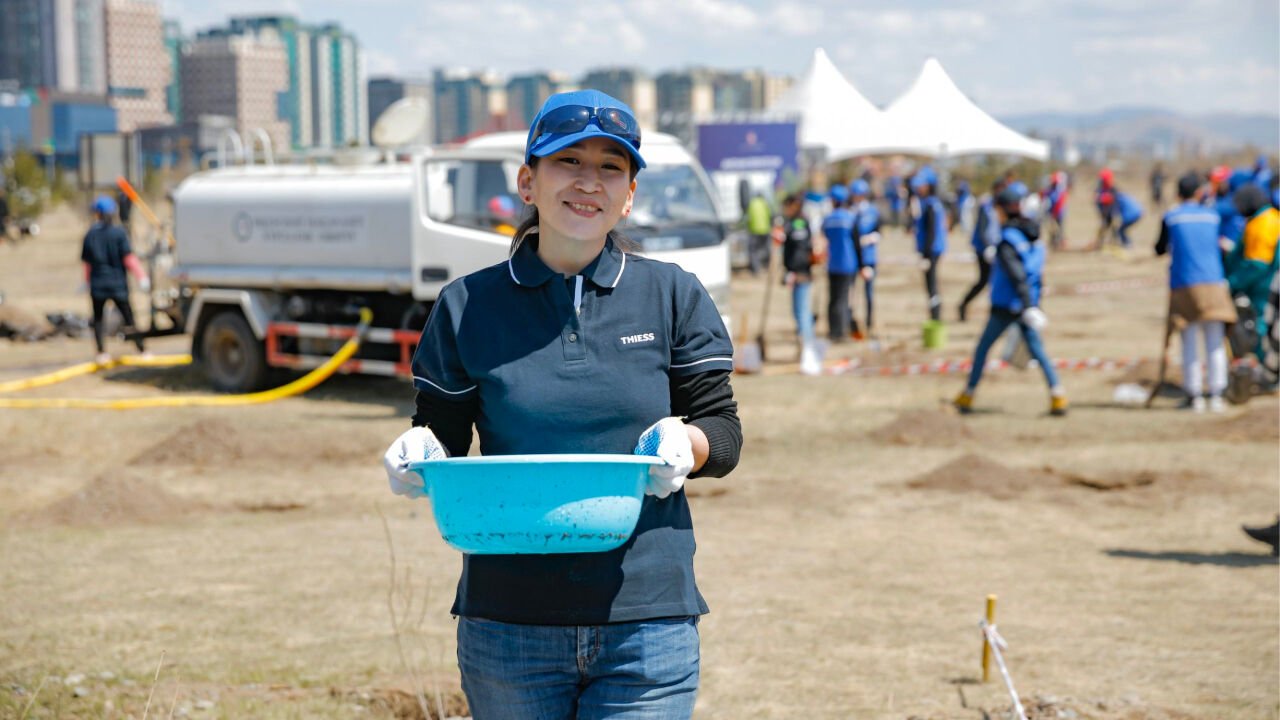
<point>986,236</point>
<point>931,234</point>
<point>866,243</point>
<point>577,345</point>
<point>842,265</point>
<point>1016,285</point>
<point>107,257</point>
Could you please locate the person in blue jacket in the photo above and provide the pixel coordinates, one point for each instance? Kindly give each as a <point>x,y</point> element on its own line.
<point>842,264</point>
<point>1231,223</point>
<point>1262,173</point>
<point>986,236</point>
<point>931,235</point>
<point>866,242</point>
<point>1199,301</point>
<point>1016,282</point>
<point>1129,212</point>
<point>575,344</point>
<point>893,196</point>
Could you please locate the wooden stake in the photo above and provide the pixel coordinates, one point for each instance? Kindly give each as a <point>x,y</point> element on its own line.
<point>986,648</point>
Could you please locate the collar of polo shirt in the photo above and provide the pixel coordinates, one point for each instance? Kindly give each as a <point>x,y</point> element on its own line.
<point>528,270</point>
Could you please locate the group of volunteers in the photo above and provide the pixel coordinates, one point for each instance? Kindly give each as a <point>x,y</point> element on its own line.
<point>1221,239</point>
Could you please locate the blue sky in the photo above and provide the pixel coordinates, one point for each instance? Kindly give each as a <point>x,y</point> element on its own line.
<point>1031,55</point>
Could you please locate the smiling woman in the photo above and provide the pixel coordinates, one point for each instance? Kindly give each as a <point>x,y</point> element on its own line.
<point>529,353</point>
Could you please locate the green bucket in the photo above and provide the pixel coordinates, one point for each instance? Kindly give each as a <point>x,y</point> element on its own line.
<point>935,334</point>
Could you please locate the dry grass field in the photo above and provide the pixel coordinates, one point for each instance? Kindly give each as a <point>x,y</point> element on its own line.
<point>243,552</point>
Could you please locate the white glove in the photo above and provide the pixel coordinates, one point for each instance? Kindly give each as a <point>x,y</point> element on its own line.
<point>989,254</point>
<point>1035,318</point>
<point>924,264</point>
<point>668,440</point>
<point>144,284</point>
<point>415,445</point>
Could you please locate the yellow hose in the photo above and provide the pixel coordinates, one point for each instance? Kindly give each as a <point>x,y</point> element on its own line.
<point>89,368</point>
<point>301,385</point>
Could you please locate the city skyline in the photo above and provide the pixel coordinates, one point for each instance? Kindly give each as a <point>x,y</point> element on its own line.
<point>1035,56</point>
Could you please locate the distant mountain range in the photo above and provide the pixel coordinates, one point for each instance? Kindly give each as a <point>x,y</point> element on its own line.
<point>1147,126</point>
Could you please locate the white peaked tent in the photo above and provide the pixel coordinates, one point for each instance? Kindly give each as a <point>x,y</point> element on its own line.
<point>832,113</point>
<point>934,118</point>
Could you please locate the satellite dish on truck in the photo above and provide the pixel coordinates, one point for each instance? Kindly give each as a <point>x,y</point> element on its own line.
<point>401,123</point>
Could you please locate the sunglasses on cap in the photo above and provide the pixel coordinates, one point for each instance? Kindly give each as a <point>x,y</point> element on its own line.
<point>574,118</point>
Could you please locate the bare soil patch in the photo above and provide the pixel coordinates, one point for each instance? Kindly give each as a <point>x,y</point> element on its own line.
<point>403,705</point>
<point>924,427</point>
<point>1257,424</point>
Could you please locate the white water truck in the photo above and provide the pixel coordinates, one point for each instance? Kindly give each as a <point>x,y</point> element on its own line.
<point>272,262</point>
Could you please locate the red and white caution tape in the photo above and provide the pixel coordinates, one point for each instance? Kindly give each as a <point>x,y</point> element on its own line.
<point>952,367</point>
<point>998,644</point>
<point>1106,286</point>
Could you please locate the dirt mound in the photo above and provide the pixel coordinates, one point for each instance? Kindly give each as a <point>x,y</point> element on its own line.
<point>974,473</point>
<point>115,500</point>
<point>20,324</point>
<point>1260,423</point>
<point>204,442</point>
<point>924,427</point>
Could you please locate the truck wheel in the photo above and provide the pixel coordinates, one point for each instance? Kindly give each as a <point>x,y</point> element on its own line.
<point>233,357</point>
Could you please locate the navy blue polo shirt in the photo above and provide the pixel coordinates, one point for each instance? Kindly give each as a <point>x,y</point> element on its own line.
<point>575,365</point>
<point>105,247</point>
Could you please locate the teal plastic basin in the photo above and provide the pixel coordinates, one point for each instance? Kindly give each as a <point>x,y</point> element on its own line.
<point>536,504</point>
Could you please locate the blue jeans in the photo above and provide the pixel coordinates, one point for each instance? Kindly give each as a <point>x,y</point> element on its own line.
<point>802,309</point>
<point>1000,321</point>
<point>644,670</point>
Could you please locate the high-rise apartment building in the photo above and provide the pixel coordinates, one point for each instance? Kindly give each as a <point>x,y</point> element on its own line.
<point>383,91</point>
<point>139,69</point>
<point>632,86</point>
<point>325,104</point>
<point>54,44</point>
<point>241,76</point>
<point>296,105</point>
<point>526,93</point>
<point>340,102</point>
<point>462,104</point>
<point>173,43</point>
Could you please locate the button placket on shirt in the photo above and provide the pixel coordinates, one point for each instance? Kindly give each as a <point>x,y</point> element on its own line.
<point>571,338</point>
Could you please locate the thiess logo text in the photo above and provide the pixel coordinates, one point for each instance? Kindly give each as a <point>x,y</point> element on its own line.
<point>640,338</point>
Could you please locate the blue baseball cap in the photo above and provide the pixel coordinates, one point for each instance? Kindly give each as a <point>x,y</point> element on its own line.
<point>859,187</point>
<point>548,143</point>
<point>104,204</point>
<point>839,193</point>
<point>926,176</point>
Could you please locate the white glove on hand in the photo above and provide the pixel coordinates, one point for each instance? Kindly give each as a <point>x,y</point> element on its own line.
<point>668,440</point>
<point>989,254</point>
<point>1035,318</point>
<point>144,284</point>
<point>415,445</point>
